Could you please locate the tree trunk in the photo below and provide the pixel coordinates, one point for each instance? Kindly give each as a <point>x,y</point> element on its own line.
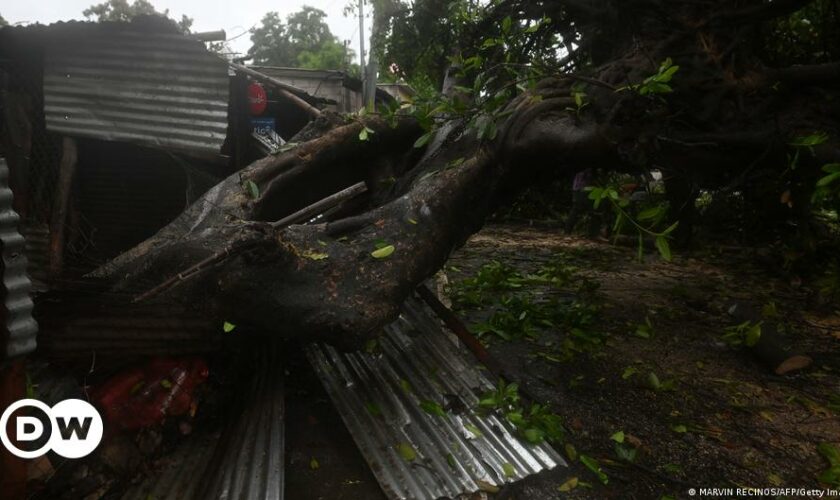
<point>326,280</point>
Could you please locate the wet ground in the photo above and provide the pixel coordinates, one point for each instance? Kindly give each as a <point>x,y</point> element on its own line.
<point>692,411</point>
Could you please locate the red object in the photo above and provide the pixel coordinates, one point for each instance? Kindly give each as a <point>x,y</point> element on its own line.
<point>145,396</point>
<point>257,99</point>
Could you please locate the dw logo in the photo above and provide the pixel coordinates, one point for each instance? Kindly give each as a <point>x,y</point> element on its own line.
<point>72,428</point>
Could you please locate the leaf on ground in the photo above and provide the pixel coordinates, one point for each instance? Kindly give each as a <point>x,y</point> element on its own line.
<point>228,327</point>
<point>314,255</point>
<point>383,252</point>
<point>679,429</point>
<point>313,464</point>
<point>595,467</point>
<point>569,485</point>
<point>618,437</point>
<point>407,452</point>
<point>571,452</point>
<point>629,372</point>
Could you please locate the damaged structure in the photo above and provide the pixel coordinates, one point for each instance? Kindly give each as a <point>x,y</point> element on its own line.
<point>109,131</point>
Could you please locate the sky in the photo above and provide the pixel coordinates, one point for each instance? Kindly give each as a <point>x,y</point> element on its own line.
<point>233,16</point>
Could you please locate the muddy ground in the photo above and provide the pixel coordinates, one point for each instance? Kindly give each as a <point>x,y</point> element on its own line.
<point>713,416</point>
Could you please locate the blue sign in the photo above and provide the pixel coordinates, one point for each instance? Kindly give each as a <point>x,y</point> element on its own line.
<point>263,126</point>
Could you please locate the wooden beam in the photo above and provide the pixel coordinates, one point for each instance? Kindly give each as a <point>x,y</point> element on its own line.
<point>319,207</point>
<point>61,204</point>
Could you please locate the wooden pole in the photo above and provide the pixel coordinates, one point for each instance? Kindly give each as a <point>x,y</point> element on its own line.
<point>319,207</point>
<point>61,205</point>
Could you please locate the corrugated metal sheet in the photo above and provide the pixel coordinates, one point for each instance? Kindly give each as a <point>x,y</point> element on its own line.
<point>78,329</point>
<point>178,475</point>
<point>20,329</point>
<point>154,89</point>
<point>249,463</point>
<point>379,396</point>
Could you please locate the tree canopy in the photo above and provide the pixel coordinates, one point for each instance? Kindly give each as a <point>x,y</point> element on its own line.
<point>121,10</point>
<point>304,40</point>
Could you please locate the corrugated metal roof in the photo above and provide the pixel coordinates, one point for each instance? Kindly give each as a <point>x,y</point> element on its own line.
<point>20,330</point>
<point>249,463</point>
<point>154,89</point>
<point>379,395</point>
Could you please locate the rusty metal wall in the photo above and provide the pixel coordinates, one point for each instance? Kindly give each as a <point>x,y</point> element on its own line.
<point>17,336</point>
<point>160,90</point>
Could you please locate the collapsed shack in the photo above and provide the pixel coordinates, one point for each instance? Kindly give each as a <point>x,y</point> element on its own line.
<point>110,131</point>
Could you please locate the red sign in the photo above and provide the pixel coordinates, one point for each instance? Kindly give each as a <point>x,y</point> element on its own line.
<point>257,100</point>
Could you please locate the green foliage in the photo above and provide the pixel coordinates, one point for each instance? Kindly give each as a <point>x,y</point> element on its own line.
<point>251,189</point>
<point>831,453</point>
<point>595,467</point>
<point>521,306</point>
<point>657,83</point>
<point>644,224</point>
<point>535,424</point>
<point>304,41</point>
<point>808,36</point>
<point>745,334</point>
<point>121,10</point>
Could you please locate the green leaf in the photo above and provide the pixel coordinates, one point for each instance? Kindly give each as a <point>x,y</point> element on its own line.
<point>252,189</point>
<point>473,429</point>
<point>593,465</point>
<point>653,381</point>
<point>679,429</point>
<point>830,452</point>
<point>373,409</point>
<point>422,140</point>
<point>407,452</point>
<point>828,179</point>
<point>664,248</point>
<point>432,408</point>
<point>753,334</point>
<point>629,372</point>
<point>618,437</point>
<point>450,459</point>
<point>313,464</point>
<point>364,134</point>
<point>406,386</point>
<point>506,24</point>
<point>314,255</point>
<point>569,485</point>
<point>228,327</point>
<point>509,470</point>
<point>625,453</point>
<point>533,435</point>
<point>811,140</point>
<point>571,452</point>
<point>383,252</point>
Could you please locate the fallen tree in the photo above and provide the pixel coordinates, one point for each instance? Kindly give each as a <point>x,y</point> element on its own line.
<point>613,101</point>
